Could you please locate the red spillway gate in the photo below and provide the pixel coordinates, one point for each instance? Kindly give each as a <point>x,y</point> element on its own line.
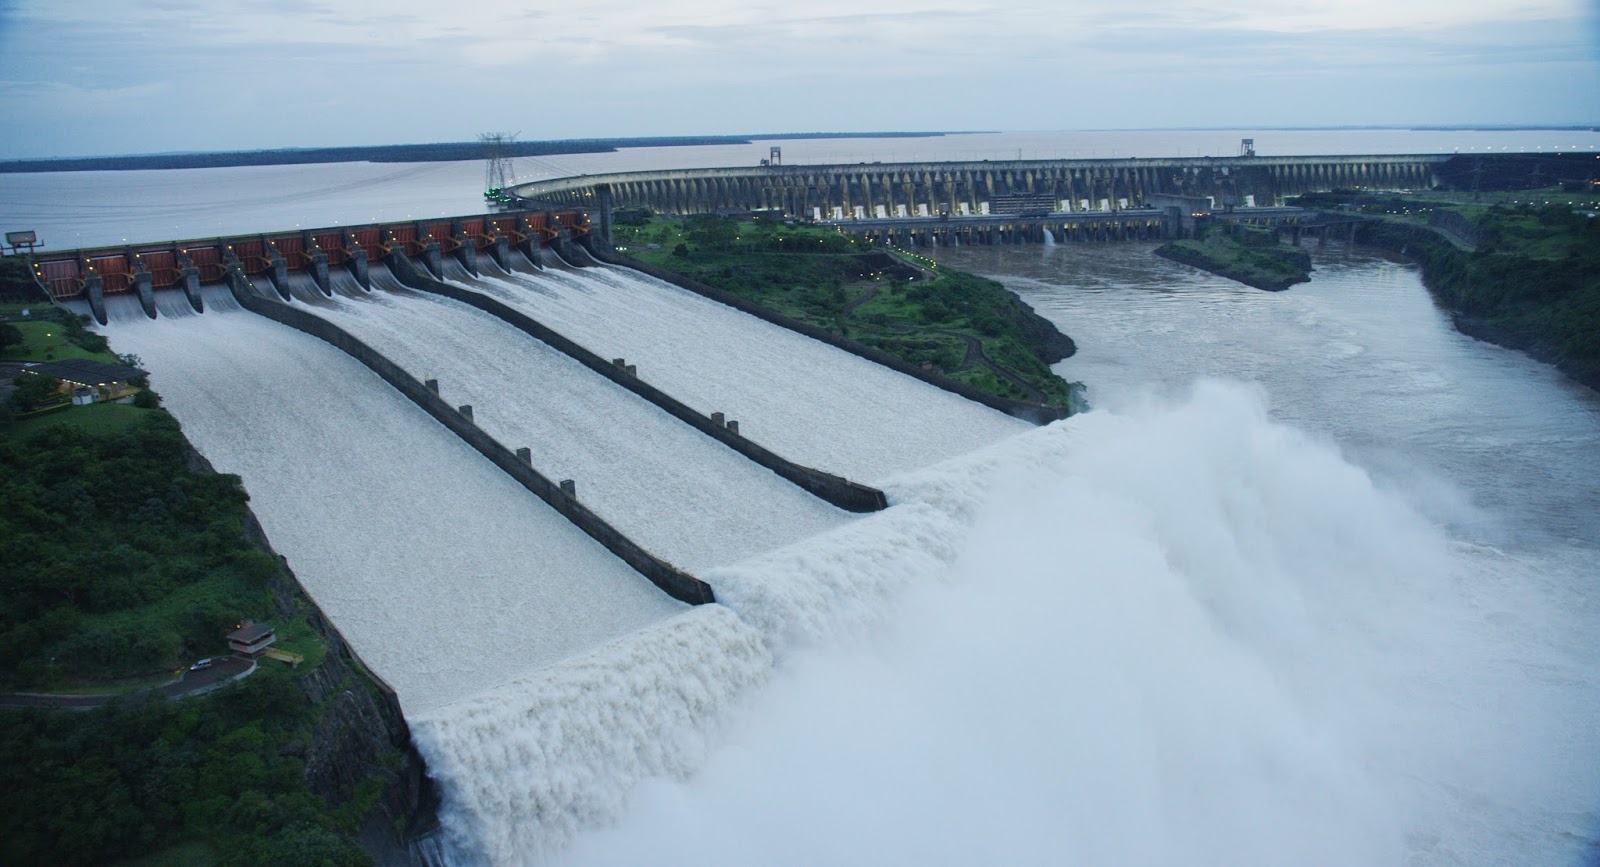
<point>208,261</point>
<point>472,230</point>
<point>509,227</point>
<point>574,222</point>
<point>65,275</point>
<point>371,240</point>
<point>538,227</point>
<point>440,232</point>
<point>405,237</point>
<point>115,275</point>
<point>292,249</point>
<point>61,276</point>
<point>332,244</point>
<point>162,265</point>
<point>252,255</point>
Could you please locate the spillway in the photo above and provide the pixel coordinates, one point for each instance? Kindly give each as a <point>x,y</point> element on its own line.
<point>172,304</point>
<point>680,494</point>
<point>445,575</point>
<point>342,282</point>
<point>125,307</point>
<point>304,289</point>
<point>808,401</point>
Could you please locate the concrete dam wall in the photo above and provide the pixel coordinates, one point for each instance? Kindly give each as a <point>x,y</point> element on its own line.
<point>930,189</point>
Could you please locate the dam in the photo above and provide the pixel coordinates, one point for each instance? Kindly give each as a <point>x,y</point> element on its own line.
<point>553,689</point>
<point>1000,201</point>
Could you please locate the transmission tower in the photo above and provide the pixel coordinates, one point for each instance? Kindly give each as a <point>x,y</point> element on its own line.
<point>498,174</point>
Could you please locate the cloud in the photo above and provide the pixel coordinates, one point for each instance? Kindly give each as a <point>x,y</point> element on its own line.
<point>730,66</point>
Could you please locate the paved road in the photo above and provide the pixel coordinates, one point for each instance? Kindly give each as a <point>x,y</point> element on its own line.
<point>190,683</point>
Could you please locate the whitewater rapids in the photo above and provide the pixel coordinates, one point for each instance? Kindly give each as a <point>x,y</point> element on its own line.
<point>1184,634</point>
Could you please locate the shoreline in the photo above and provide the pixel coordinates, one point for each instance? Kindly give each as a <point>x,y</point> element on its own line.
<point>403,153</point>
<point>1440,254</point>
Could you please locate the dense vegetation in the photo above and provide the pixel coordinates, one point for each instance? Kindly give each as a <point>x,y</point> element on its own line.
<point>969,328</point>
<point>222,774</point>
<point>1531,282</point>
<point>1251,256</point>
<point>120,563</point>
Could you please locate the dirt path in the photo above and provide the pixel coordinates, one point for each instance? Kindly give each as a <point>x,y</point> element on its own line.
<point>976,355</point>
<point>871,293</point>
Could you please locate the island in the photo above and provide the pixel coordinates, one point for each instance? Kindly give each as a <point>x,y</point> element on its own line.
<point>1251,255</point>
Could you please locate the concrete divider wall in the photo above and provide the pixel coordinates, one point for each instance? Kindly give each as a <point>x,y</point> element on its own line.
<point>1032,412</point>
<point>837,490</point>
<point>190,277</point>
<point>94,290</point>
<point>147,297</point>
<point>675,582</point>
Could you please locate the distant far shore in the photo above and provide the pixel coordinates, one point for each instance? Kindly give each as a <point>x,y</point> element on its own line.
<point>408,153</point>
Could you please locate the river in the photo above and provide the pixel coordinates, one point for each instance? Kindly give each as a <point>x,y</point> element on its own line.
<point>1315,583</point>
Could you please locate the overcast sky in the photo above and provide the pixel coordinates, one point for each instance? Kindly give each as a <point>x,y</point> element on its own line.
<point>136,76</point>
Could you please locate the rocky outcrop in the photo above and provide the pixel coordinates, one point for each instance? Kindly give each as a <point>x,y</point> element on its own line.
<point>358,732</point>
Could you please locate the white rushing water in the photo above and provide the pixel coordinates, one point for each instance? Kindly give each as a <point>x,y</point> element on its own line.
<point>677,492</point>
<point>805,400</point>
<point>1180,635</point>
<point>445,575</point>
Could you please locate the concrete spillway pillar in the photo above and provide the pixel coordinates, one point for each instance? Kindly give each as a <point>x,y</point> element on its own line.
<point>433,257</point>
<point>358,266</point>
<point>318,269</point>
<point>562,243</point>
<point>94,290</point>
<point>500,251</point>
<point>147,295</point>
<point>733,426</point>
<point>466,411</point>
<point>189,278</point>
<point>525,455</point>
<point>431,385</point>
<point>238,283</point>
<point>531,241</point>
<point>718,419</point>
<point>569,487</point>
<point>278,273</point>
<point>603,228</point>
<point>468,255</point>
<point>233,270</point>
